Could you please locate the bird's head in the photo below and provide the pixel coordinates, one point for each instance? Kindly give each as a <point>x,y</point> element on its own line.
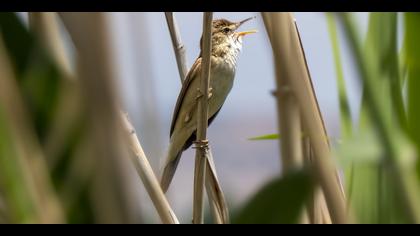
<point>225,34</point>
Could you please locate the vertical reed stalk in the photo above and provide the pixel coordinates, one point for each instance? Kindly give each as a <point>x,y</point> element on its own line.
<point>289,125</point>
<point>285,42</point>
<point>202,111</point>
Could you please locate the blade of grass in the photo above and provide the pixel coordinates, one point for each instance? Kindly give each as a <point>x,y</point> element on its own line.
<point>345,113</point>
<point>369,174</point>
<point>266,137</point>
<point>382,41</point>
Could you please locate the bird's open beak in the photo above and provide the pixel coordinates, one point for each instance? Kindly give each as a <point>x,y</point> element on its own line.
<point>246,32</point>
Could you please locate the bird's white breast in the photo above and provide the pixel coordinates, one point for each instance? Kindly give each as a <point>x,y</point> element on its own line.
<point>222,76</point>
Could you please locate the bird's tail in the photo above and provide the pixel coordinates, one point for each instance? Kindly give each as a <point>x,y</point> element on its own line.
<point>169,170</point>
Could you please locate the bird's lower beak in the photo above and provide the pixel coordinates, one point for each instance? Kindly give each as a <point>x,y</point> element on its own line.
<point>246,32</point>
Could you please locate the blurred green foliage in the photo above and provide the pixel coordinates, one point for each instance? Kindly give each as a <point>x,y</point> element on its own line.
<point>43,89</point>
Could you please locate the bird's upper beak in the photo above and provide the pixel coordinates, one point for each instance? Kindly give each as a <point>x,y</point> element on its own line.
<point>245,32</point>
<point>243,21</point>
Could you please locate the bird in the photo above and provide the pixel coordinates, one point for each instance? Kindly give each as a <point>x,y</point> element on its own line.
<point>226,46</point>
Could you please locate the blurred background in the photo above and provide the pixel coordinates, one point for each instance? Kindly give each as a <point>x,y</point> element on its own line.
<point>148,85</point>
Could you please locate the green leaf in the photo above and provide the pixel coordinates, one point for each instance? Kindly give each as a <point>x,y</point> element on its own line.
<point>281,201</point>
<point>381,42</point>
<point>266,137</point>
<point>345,113</point>
<point>412,58</point>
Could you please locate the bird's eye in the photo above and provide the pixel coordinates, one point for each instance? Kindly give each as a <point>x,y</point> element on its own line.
<point>226,30</point>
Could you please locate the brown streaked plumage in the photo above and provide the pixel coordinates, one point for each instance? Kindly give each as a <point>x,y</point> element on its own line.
<point>226,45</point>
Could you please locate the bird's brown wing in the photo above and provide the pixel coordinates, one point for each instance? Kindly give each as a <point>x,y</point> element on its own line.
<point>187,82</point>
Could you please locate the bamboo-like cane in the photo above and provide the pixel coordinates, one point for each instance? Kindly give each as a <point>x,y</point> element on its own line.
<point>286,44</point>
<point>202,111</point>
<point>289,125</point>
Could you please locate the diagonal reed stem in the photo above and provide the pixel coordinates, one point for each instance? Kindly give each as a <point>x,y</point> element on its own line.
<point>147,175</point>
<point>179,48</point>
